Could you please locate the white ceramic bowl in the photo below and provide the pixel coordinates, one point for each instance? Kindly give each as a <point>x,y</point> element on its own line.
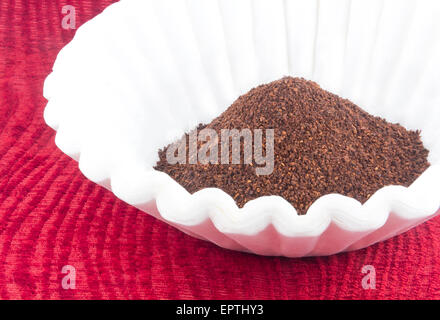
<point>143,72</point>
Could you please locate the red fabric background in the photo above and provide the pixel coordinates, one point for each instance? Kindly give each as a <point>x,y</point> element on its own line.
<point>51,216</point>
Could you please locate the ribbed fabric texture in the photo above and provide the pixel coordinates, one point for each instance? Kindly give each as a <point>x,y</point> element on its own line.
<point>51,216</point>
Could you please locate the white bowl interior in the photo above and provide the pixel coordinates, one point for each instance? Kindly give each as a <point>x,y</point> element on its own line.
<point>141,74</point>
<point>170,65</point>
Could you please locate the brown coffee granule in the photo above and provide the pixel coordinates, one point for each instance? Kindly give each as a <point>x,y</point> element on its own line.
<point>323,144</point>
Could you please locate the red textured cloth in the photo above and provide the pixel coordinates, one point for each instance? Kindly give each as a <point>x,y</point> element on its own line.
<point>51,216</point>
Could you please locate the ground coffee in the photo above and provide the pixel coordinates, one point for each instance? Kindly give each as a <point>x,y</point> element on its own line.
<point>322,144</point>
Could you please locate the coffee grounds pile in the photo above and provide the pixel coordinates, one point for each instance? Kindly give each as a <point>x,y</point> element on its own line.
<point>323,144</point>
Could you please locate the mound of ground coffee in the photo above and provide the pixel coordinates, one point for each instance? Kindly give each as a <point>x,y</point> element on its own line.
<point>322,144</point>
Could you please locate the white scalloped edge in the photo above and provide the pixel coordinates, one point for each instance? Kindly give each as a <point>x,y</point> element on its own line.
<point>267,225</point>
<point>137,186</point>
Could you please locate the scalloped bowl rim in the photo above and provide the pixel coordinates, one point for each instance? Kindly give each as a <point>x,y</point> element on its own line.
<point>136,185</point>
